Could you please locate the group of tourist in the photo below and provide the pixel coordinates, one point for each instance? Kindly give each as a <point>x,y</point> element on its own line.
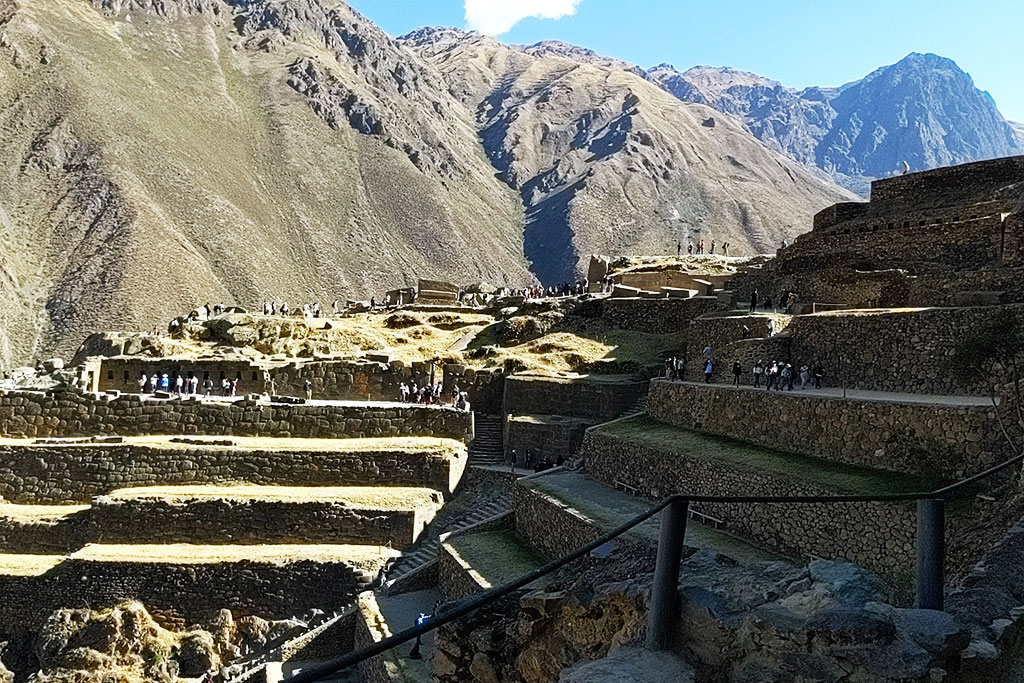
<point>675,368</point>
<point>786,301</point>
<point>780,376</point>
<point>698,248</point>
<point>431,394</point>
<point>577,288</point>
<point>531,462</point>
<point>183,385</point>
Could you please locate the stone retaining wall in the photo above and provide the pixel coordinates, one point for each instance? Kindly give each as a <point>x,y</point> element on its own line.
<point>918,438</point>
<point>879,536</point>
<point>250,522</point>
<point>550,526</point>
<point>599,401</point>
<point>179,594</point>
<point>545,436</point>
<point>67,414</point>
<point>656,316</point>
<point>901,351</point>
<point>49,474</point>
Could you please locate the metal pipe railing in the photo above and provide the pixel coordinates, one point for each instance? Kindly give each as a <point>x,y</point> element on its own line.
<point>662,611</point>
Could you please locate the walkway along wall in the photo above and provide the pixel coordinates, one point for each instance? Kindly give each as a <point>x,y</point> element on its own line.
<point>949,441</point>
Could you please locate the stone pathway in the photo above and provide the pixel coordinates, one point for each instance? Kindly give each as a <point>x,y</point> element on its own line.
<point>863,394</point>
<point>488,446</point>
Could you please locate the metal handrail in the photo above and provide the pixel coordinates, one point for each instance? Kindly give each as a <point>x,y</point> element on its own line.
<point>331,666</point>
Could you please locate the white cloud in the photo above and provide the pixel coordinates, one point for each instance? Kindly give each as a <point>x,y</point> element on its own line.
<point>495,17</point>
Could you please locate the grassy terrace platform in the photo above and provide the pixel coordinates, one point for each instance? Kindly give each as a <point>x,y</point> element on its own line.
<point>610,508</point>
<point>363,556</point>
<point>38,514</point>
<point>357,497</point>
<point>744,456</point>
<point>17,565</point>
<point>496,557</point>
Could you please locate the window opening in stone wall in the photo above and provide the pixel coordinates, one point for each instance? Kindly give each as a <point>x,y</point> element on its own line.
<point>206,374</point>
<point>254,376</point>
<point>110,374</point>
<point>223,374</point>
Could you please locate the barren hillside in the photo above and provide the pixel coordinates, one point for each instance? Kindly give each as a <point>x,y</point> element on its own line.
<point>158,154</point>
<point>608,162</point>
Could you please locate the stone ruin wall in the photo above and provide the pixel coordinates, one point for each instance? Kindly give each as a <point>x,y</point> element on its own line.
<point>548,436</point>
<point>50,474</point>
<point>180,594</point>
<point>945,441</point>
<point>909,352</point>
<point>250,522</point>
<point>69,414</point>
<point>879,536</point>
<point>964,183</point>
<point>654,316</point>
<point>549,525</point>
<point>588,399</point>
<point>334,380</point>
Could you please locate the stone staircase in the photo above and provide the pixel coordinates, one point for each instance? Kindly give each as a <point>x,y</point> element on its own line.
<point>426,549</point>
<point>639,406</point>
<point>488,446</point>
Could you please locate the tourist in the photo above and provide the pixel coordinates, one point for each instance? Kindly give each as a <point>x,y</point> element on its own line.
<point>689,248</point>
<point>266,308</point>
<point>805,376</point>
<point>225,387</point>
<point>234,386</point>
<point>712,246</point>
<point>708,352</point>
<point>420,621</point>
<point>530,462</point>
<point>745,333</point>
<point>512,461</point>
<point>768,303</point>
<point>787,377</point>
<point>308,386</point>
<point>153,382</point>
<point>403,392</point>
<point>679,249</point>
<point>737,370</point>
<point>193,385</point>
<point>906,168</point>
<point>708,369</point>
<point>284,308</point>
<point>753,301</point>
<point>143,380</point>
<point>455,393</point>
<point>758,371</point>
<point>179,386</point>
<point>335,307</point>
<point>725,249</point>
<point>680,368</point>
<point>771,375</point>
<point>207,387</point>
<point>670,369</point>
<point>165,383</point>
<point>819,373</point>
<point>373,303</point>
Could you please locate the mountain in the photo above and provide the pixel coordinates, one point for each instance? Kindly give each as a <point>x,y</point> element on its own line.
<point>158,154</point>
<point>923,110</point>
<point>607,162</point>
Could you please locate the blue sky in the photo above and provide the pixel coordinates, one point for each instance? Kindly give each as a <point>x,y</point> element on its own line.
<point>799,43</point>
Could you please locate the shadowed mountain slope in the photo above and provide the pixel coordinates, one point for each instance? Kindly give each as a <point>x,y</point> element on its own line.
<point>606,162</point>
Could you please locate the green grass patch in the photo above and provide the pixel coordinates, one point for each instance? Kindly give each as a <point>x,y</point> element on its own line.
<point>745,456</point>
<point>498,556</point>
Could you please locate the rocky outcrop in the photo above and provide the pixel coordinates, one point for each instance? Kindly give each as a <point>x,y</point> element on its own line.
<point>767,622</point>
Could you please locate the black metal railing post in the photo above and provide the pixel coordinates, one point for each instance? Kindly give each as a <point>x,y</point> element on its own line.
<point>931,552</point>
<point>661,613</point>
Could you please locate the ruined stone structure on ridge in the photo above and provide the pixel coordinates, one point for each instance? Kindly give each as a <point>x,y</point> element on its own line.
<point>951,236</point>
